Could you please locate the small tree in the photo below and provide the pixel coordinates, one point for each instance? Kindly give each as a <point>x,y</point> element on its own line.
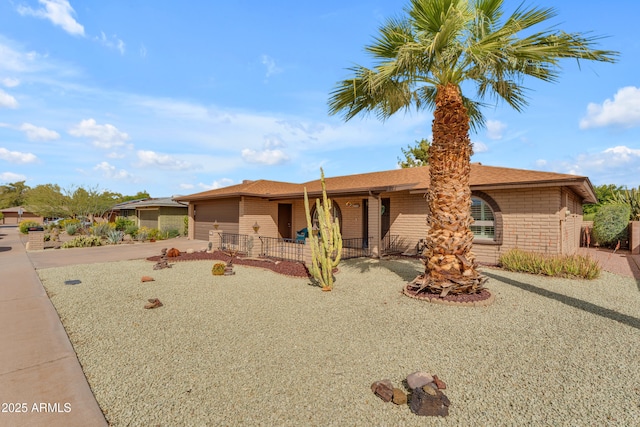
<point>326,245</point>
<point>417,155</point>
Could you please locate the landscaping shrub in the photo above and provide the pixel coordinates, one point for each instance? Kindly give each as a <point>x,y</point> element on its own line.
<point>185,230</point>
<point>72,228</point>
<point>25,224</point>
<point>573,266</point>
<point>610,224</point>
<point>142,234</point>
<point>131,230</point>
<point>218,269</point>
<point>83,242</point>
<point>101,229</point>
<point>170,233</point>
<point>115,236</point>
<point>155,234</point>
<point>121,223</point>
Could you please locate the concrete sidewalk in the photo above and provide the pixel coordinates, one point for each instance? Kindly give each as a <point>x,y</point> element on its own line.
<point>41,380</point>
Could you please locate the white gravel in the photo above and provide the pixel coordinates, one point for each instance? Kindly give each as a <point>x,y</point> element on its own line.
<point>261,349</point>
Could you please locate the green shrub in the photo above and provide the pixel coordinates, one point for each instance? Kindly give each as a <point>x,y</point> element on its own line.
<point>121,224</point>
<point>170,233</point>
<point>185,230</point>
<point>132,230</point>
<point>142,234</point>
<point>25,224</point>
<point>83,242</point>
<point>218,269</point>
<point>574,266</point>
<point>72,228</point>
<point>610,224</point>
<point>101,229</point>
<point>155,234</point>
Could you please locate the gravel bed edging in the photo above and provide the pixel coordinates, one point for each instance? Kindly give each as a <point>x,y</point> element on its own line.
<point>435,299</point>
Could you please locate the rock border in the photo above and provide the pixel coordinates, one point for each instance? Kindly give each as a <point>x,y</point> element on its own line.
<point>437,300</point>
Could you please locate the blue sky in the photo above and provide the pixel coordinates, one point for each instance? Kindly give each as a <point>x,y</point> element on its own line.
<point>180,97</point>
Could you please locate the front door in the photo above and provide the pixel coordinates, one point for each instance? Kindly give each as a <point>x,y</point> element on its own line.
<point>284,220</point>
<point>385,217</point>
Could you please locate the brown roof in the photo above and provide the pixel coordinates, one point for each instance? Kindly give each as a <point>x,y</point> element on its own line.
<point>412,179</point>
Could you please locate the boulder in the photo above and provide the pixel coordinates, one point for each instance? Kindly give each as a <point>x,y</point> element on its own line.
<point>429,403</point>
<point>418,379</point>
<point>383,389</point>
<point>173,252</point>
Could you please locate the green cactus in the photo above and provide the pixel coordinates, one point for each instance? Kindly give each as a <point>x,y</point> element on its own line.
<point>326,245</point>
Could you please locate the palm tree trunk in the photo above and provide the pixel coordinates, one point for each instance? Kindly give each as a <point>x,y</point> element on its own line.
<point>450,265</point>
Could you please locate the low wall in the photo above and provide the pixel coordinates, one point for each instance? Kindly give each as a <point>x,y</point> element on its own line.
<point>634,237</point>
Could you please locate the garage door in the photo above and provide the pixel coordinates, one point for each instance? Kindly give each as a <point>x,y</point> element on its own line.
<point>225,211</point>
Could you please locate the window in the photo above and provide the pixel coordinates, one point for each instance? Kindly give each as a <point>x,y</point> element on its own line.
<point>335,213</point>
<point>484,225</point>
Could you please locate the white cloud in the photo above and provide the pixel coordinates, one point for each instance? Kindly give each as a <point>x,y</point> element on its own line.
<point>623,111</point>
<point>265,157</point>
<point>479,147</point>
<point>110,171</point>
<point>495,128</point>
<point>618,165</point>
<point>10,82</point>
<point>103,136</point>
<point>35,133</point>
<point>7,101</point>
<point>541,163</point>
<point>149,158</point>
<point>16,156</point>
<point>112,42</point>
<point>270,65</point>
<point>59,12</point>
<point>143,51</point>
<point>11,177</point>
<point>224,182</point>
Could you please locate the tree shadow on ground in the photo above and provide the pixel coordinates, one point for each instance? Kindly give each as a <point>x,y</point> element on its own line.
<point>634,322</point>
<point>404,268</point>
<point>5,248</point>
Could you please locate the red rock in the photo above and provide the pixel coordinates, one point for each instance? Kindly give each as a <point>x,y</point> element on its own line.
<point>383,389</point>
<point>153,303</point>
<point>439,383</point>
<point>147,279</point>
<point>173,252</point>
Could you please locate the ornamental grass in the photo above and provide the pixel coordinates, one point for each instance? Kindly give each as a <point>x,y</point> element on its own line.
<point>571,266</point>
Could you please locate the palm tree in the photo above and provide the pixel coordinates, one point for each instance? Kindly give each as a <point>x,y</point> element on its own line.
<point>422,60</point>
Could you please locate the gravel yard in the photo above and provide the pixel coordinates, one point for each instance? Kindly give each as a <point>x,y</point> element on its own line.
<point>258,348</point>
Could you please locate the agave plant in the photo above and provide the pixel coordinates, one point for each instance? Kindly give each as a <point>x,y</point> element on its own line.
<point>630,198</point>
<point>114,236</point>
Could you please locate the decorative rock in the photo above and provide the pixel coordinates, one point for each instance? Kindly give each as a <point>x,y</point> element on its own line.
<point>430,389</point>
<point>439,383</point>
<point>147,279</point>
<point>190,251</point>
<point>426,404</point>
<point>418,379</point>
<point>383,389</point>
<point>163,263</point>
<point>173,252</point>
<point>153,303</point>
<point>399,397</point>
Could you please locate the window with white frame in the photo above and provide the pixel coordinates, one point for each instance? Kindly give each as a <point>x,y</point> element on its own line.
<point>483,226</point>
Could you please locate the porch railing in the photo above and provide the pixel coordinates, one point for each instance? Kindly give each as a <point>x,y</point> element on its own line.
<point>390,243</point>
<point>356,247</point>
<point>234,242</point>
<point>286,249</point>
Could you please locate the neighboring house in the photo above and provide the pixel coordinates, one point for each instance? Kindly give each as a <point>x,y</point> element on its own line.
<point>386,211</point>
<point>162,213</point>
<point>18,213</point>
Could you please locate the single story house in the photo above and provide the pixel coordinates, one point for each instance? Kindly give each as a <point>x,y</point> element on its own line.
<point>162,213</point>
<point>16,214</point>
<point>386,211</point>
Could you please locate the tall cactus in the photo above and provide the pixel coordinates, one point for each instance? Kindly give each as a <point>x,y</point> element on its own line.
<point>326,246</point>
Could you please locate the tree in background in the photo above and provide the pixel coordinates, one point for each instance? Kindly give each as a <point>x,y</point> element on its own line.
<point>140,195</point>
<point>417,155</point>
<point>48,201</point>
<point>13,194</point>
<point>603,193</point>
<point>423,60</point>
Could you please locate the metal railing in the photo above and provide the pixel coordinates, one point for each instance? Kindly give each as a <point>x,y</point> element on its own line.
<point>286,249</point>
<point>234,242</point>
<point>390,243</point>
<point>356,247</point>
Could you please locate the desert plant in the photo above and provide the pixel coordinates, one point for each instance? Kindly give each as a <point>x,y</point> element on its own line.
<point>25,224</point>
<point>185,229</point>
<point>122,223</point>
<point>101,229</point>
<point>72,228</point>
<point>170,233</point>
<point>610,224</point>
<point>326,246</point>
<point>142,234</point>
<point>83,242</point>
<point>574,266</point>
<point>630,198</point>
<point>131,230</point>
<point>218,269</point>
<point>155,234</point>
<point>115,236</point>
